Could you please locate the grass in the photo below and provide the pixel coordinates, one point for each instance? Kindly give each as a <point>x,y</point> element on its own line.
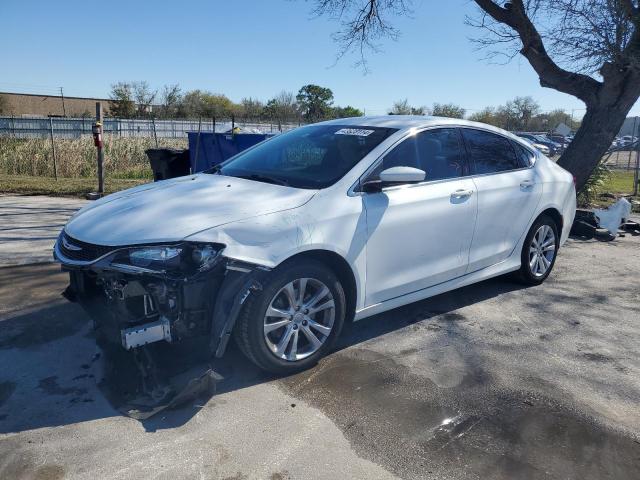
<point>620,182</point>
<point>63,187</point>
<point>76,158</point>
<point>26,166</point>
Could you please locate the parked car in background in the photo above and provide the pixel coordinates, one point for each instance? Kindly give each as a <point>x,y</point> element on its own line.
<point>627,140</point>
<point>554,148</point>
<point>284,242</point>
<point>560,140</point>
<point>542,148</point>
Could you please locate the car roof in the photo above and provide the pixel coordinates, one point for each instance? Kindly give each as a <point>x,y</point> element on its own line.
<point>405,122</point>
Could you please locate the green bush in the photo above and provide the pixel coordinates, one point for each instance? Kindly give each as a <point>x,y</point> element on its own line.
<point>598,178</point>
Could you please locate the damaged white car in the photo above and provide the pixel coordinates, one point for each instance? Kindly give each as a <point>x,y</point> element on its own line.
<point>280,245</point>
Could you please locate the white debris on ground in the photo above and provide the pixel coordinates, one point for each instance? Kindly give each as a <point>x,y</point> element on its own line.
<point>612,217</point>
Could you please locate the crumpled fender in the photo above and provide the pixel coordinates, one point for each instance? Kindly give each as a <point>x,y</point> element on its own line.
<point>270,239</point>
<point>241,280</point>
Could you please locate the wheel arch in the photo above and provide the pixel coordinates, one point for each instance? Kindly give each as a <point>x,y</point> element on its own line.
<point>342,270</point>
<point>555,214</point>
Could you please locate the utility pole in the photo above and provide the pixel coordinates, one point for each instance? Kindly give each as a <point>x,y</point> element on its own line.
<point>64,110</point>
<point>97,141</point>
<point>53,149</point>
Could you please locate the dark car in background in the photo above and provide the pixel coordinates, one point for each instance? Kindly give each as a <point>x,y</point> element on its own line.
<point>561,140</point>
<point>554,148</point>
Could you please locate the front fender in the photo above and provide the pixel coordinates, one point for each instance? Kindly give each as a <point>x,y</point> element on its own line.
<point>271,239</point>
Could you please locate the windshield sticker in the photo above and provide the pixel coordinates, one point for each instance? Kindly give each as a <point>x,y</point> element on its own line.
<point>358,132</point>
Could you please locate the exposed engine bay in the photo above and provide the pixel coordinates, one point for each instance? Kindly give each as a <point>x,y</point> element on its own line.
<point>137,296</point>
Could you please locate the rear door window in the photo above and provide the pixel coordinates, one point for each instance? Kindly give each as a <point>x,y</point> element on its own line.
<point>489,152</point>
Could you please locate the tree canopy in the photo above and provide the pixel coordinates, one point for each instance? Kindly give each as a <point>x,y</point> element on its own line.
<point>448,110</point>
<point>315,102</point>
<point>589,49</point>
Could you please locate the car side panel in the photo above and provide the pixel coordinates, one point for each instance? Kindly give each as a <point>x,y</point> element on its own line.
<point>328,223</point>
<point>507,202</point>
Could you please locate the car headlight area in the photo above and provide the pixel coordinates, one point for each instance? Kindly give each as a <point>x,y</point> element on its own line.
<point>172,260</point>
<point>142,294</point>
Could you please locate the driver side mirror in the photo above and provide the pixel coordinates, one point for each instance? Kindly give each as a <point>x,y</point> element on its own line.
<point>394,176</point>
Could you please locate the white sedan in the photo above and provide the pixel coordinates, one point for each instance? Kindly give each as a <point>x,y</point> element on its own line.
<point>280,245</point>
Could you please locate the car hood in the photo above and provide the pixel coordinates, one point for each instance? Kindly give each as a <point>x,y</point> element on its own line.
<point>173,209</point>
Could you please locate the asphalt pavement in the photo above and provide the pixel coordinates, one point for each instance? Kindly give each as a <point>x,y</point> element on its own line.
<point>490,381</point>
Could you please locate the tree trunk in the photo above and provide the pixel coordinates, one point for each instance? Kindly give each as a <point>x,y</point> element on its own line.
<point>600,125</point>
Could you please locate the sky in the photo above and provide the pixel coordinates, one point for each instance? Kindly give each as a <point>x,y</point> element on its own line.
<point>255,48</point>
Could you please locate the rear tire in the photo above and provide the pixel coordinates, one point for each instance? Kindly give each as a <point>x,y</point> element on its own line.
<point>294,320</point>
<point>539,251</point>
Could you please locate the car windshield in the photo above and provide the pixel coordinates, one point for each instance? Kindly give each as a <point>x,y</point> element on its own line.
<point>311,157</point>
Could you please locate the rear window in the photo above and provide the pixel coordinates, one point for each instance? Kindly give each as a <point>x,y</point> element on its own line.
<point>524,155</point>
<point>489,152</point>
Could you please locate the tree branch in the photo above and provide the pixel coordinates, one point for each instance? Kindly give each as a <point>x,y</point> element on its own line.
<point>631,10</point>
<point>551,75</point>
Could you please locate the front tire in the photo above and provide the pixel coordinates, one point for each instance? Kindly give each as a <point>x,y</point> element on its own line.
<point>294,320</point>
<point>539,251</point>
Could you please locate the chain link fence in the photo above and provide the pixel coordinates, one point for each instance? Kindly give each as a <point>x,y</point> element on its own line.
<point>70,128</point>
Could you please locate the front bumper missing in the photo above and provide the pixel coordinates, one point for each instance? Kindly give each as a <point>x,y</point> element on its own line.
<point>137,310</point>
<point>164,331</point>
<point>135,307</point>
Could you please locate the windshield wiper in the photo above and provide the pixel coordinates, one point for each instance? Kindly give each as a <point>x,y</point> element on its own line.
<point>258,177</point>
<point>213,170</point>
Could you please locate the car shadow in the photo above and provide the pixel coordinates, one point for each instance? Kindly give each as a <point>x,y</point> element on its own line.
<point>238,373</point>
<point>52,367</point>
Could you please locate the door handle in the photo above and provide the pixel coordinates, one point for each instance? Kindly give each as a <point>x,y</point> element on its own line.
<point>461,193</point>
<point>527,183</point>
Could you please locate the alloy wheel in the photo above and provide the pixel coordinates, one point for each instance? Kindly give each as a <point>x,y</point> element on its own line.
<point>299,319</point>
<point>542,250</point>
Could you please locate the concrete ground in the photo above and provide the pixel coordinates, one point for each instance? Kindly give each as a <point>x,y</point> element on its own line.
<point>490,381</point>
<point>29,226</point>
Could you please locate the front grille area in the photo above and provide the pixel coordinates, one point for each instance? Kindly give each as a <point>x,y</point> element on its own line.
<point>87,253</point>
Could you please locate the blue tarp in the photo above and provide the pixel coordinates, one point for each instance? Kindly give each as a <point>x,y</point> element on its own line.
<point>215,148</point>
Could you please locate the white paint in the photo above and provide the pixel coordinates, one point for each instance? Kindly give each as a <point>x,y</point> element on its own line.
<point>402,174</point>
<point>403,244</point>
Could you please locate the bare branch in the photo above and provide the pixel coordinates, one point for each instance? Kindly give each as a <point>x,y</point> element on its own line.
<point>363,23</point>
<point>533,49</point>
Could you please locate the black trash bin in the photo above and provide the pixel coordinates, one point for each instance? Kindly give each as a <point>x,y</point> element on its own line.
<point>168,163</point>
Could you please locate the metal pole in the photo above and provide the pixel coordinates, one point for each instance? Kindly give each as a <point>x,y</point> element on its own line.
<point>155,135</point>
<point>99,120</point>
<point>636,174</point>
<point>633,133</point>
<point>53,149</point>
<point>195,157</point>
<point>64,110</point>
